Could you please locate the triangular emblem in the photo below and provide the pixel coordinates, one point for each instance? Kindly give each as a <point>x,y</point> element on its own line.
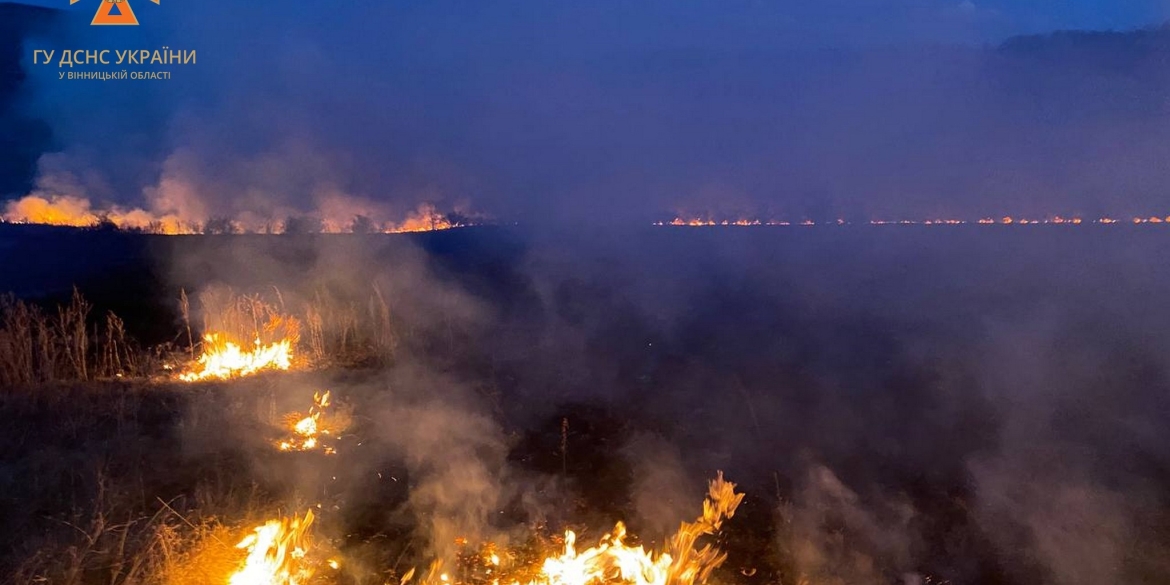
<point>115,12</point>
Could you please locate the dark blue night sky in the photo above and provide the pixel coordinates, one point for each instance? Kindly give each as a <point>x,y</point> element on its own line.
<point>842,20</point>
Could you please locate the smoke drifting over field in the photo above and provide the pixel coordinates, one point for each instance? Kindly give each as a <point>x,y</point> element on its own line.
<point>970,406</point>
<point>606,114</point>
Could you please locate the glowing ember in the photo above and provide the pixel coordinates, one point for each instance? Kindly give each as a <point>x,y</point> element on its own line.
<point>276,553</point>
<point>308,431</point>
<point>222,359</point>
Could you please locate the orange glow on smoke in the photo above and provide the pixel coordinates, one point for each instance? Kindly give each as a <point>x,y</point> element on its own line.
<point>423,219</point>
<point>58,211</point>
<point>77,212</point>
<point>70,211</point>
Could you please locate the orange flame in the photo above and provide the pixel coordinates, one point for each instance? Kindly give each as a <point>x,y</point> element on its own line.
<point>681,563</point>
<point>67,210</point>
<point>276,553</point>
<point>73,211</point>
<point>423,219</point>
<point>222,359</point>
<point>612,561</point>
<point>307,432</point>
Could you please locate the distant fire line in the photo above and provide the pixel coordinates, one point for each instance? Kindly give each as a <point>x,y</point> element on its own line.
<point>77,212</point>
<point>680,222</point>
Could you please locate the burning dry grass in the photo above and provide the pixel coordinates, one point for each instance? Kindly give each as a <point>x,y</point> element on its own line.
<point>282,551</point>
<point>277,553</point>
<point>224,359</point>
<point>426,218</point>
<point>117,538</point>
<point>67,210</point>
<point>246,334</point>
<point>177,512</point>
<point>318,428</point>
<point>243,335</point>
<point>105,489</point>
<point>205,555</point>
<point>682,562</point>
<point>612,561</point>
<point>72,211</point>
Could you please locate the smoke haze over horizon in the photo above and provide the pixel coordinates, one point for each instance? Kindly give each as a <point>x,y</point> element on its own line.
<point>615,113</point>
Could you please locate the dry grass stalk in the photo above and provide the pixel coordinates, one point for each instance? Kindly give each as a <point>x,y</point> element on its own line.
<point>37,347</point>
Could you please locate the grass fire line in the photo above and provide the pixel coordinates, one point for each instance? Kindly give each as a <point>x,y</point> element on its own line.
<point>79,212</point>
<point>281,552</point>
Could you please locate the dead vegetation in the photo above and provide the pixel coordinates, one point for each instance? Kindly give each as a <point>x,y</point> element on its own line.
<point>99,453</point>
<point>103,498</point>
<point>73,342</point>
<point>103,483</point>
<point>118,544</point>
<point>248,318</point>
<point>69,344</point>
<point>343,328</point>
<point>324,327</point>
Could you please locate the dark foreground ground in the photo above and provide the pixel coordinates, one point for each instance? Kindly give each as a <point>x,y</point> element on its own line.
<point>965,404</point>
